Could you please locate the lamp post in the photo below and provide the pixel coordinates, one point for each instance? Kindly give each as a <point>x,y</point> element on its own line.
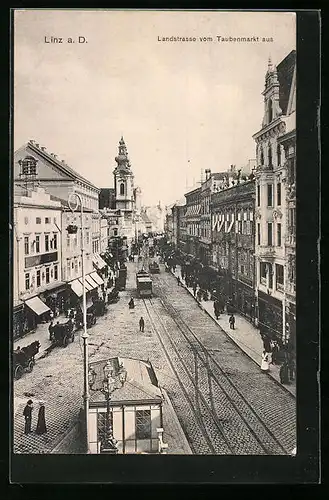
<point>73,230</point>
<point>113,379</point>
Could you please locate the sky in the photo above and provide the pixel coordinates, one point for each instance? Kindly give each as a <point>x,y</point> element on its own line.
<point>180,106</point>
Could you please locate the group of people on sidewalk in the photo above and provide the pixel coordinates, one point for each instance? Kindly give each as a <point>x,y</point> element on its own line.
<point>41,427</point>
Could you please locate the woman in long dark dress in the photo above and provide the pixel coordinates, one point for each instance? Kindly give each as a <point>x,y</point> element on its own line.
<point>41,425</point>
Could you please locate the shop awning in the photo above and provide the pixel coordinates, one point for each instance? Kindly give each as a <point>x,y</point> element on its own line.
<point>37,306</point>
<point>91,282</point>
<point>87,284</point>
<point>97,278</point>
<point>77,288</point>
<point>98,261</point>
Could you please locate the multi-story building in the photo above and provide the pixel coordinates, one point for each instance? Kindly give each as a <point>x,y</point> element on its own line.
<point>34,164</point>
<point>179,226</point>
<point>288,142</point>
<point>212,184</point>
<point>271,199</point>
<point>37,273</point>
<point>168,226</point>
<point>104,240</point>
<point>233,244</point>
<point>192,217</point>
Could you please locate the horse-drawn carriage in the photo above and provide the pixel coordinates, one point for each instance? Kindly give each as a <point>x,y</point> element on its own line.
<point>154,267</point>
<point>23,359</point>
<point>63,333</point>
<point>99,307</point>
<point>113,296</point>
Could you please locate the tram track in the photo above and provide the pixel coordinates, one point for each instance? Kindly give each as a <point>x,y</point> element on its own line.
<point>224,447</point>
<point>258,429</point>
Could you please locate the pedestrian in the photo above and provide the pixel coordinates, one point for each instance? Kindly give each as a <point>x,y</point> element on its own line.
<point>51,330</point>
<point>28,416</point>
<point>194,288</point>
<point>216,309</point>
<point>265,365</point>
<point>131,303</point>
<point>41,425</point>
<point>284,379</point>
<point>232,321</point>
<point>141,324</point>
<point>178,280</point>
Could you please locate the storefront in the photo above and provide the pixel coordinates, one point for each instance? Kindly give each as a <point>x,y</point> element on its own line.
<point>245,299</point>
<point>35,312</point>
<point>270,316</point>
<point>18,321</point>
<point>93,284</point>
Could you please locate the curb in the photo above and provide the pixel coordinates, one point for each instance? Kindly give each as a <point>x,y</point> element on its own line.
<point>237,345</point>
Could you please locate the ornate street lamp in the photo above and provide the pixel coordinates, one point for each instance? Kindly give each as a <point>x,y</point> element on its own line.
<point>112,380</point>
<point>72,229</point>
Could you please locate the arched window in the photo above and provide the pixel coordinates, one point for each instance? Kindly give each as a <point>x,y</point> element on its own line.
<point>270,111</point>
<point>270,164</point>
<point>122,188</point>
<point>279,154</point>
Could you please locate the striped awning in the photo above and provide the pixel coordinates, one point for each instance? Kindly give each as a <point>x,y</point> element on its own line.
<point>97,278</point>
<point>37,306</point>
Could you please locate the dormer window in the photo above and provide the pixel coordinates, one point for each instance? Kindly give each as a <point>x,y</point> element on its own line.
<point>28,166</point>
<point>122,189</point>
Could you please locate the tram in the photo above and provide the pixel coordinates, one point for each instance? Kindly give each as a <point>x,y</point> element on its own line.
<point>143,284</point>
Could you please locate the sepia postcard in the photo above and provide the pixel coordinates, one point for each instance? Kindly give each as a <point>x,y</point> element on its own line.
<point>154,243</point>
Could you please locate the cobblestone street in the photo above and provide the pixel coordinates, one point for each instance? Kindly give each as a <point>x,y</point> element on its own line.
<point>223,402</point>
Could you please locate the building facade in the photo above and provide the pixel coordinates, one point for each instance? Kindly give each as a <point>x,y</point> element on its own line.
<point>37,243</point>
<point>271,199</point>
<point>33,164</point>
<point>233,245</point>
<point>192,217</point>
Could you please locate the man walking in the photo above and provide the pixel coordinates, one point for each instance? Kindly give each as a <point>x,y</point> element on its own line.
<point>28,416</point>
<point>51,330</point>
<point>232,321</point>
<point>141,324</point>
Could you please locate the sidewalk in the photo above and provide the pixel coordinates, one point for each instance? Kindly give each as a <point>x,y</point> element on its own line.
<point>245,335</point>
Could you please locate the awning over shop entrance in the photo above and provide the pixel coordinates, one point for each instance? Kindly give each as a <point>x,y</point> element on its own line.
<point>98,261</point>
<point>89,287</point>
<point>37,306</point>
<point>76,287</point>
<point>97,278</point>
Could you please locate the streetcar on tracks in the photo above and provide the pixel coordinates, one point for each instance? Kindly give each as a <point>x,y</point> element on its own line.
<point>143,284</point>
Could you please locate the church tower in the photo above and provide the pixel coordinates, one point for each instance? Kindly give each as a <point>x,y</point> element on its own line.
<point>123,179</point>
<point>124,193</point>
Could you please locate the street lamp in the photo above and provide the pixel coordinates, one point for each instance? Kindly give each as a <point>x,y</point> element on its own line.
<point>72,229</point>
<point>112,380</point>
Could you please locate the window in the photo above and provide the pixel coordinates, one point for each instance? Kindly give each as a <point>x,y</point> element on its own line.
<point>263,270</point>
<point>270,276</point>
<point>258,195</point>
<point>242,269</point>
<point>269,234</point>
<point>47,274</point>
<point>55,241</point>
<point>56,272</point>
<point>38,220</point>
<point>101,425</point>
<point>278,234</point>
<point>261,156</point>
<point>278,194</point>
<point>68,241</point>
<point>270,164</point>
<point>122,189</point>
<point>75,241</point>
<point>279,154</point>
<point>279,276</point>
<point>269,195</point>
<point>26,245</point>
<point>27,281</point>
<point>270,111</point>
<point>258,234</point>
<point>115,232</point>
<point>76,266</point>
<point>38,277</point>
<point>47,242</point>
<point>37,243</point>
<point>244,227</point>
<point>68,269</point>
<point>72,266</point>
<point>239,226</point>
<point>47,220</point>
<point>143,424</point>
<point>87,237</point>
<point>26,220</point>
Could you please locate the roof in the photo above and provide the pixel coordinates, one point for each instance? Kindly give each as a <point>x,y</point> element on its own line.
<point>141,382</point>
<point>59,164</point>
<point>65,204</point>
<point>285,72</point>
